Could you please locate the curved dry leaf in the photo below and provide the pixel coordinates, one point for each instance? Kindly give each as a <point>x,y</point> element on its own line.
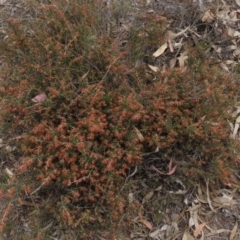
<point>208,197</point>
<point>161,50</point>
<point>158,188</point>
<point>232,32</point>
<point>224,67</point>
<point>155,69</point>
<point>171,171</point>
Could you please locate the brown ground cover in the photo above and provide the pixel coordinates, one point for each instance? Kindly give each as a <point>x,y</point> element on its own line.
<point>171,204</point>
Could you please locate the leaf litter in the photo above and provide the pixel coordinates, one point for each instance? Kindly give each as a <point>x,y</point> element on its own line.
<point>205,210</point>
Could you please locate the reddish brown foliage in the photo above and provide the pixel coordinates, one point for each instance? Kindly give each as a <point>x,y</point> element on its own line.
<point>80,142</point>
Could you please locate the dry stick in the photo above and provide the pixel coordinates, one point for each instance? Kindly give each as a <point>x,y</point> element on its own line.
<point>108,70</point>
<point>39,187</point>
<point>5,213</point>
<point>132,174</point>
<point>183,11</point>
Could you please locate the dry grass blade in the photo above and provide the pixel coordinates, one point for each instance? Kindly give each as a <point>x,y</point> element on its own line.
<point>139,134</point>
<point>200,196</point>
<point>234,231</point>
<point>216,232</point>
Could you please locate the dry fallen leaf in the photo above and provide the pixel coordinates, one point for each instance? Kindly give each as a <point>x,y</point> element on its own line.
<point>172,63</point>
<point>145,222</point>
<point>155,69</point>
<point>171,170</point>
<point>208,17</point>
<point>225,199</point>
<point>224,67</point>
<point>193,211</point>
<point>232,32</point>
<point>199,229</point>
<point>130,197</point>
<point>182,58</point>
<point>158,188</point>
<point>39,98</point>
<point>161,50</point>
<point>139,134</point>
<point>155,233</point>
<point>236,52</point>
<point>147,197</point>
<point>9,172</point>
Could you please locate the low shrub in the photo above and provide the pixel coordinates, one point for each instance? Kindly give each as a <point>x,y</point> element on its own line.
<point>80,125</point>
